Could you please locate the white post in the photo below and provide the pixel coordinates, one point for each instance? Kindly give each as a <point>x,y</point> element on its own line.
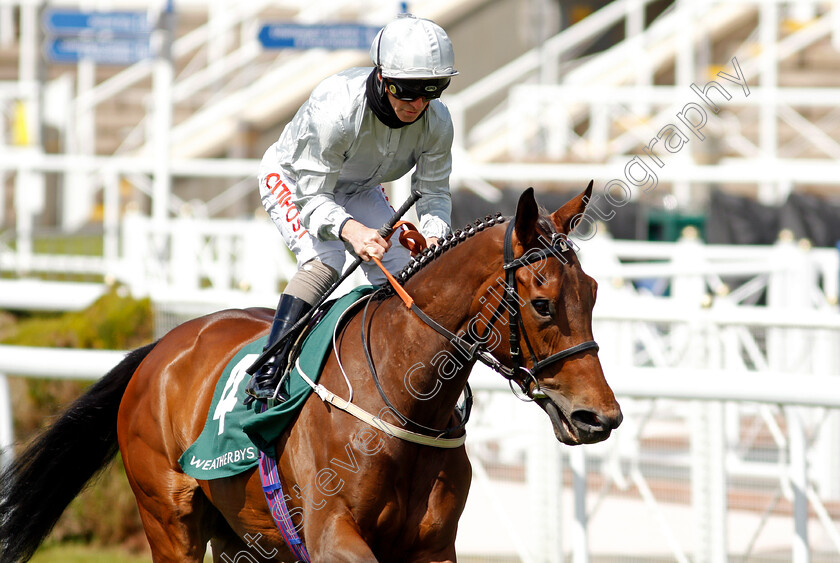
<point>218,15</point>
<point>768,126</point>
<point>6,428</point>
<point>686,73</point>
<point>708,482</point>
<point>634,26</point>
<point>835,27</point>
<point>580,537</point>
<point>78,184</point>
<point>28,65</point>
<point>826,449</point>
<point>184,242</point>
<point>162,92</point>
<point>543,474</point>
<point>29,186</point>
<point>224,268</point>
<point>827,457</point>
<point>778,295</point>
<point>799,484</point>
<point>517,123</point>
<point>261,258</point>
<point>29,200</point>
<point>731,358</point>
<point>708,477</point>
<point>135,251</point>
<point>599,126</point>
<point>111,222</point>
<point>7,25</point>
<point>557,129</point>
<point>716,540</point>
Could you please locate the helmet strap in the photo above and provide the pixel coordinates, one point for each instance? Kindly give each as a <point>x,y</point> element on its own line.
<point>380,84</point>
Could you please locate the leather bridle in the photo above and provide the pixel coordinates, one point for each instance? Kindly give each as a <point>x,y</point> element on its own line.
<point>518,373</point>
<point>556,247</point>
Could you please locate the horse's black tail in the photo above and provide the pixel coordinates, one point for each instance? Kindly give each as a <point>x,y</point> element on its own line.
<point>53,470</point>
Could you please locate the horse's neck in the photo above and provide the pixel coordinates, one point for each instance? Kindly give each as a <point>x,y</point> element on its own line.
<point>445,291</point>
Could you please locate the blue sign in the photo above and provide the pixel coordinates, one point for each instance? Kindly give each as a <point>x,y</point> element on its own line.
<point>74,22</point>
<point>331,36</point>
<point>102,51</point>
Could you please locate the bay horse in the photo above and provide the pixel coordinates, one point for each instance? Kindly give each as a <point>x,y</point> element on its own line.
<point>385,498</point>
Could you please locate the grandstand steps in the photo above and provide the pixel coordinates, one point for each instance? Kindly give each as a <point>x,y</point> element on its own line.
<point>808,60</point>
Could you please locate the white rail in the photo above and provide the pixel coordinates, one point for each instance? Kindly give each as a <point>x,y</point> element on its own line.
<point>640,384</point>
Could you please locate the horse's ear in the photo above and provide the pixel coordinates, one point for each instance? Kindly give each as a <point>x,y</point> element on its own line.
<point>564,219</point>
<point>527,215</point>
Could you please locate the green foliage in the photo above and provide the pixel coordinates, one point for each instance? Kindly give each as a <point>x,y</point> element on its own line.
<point>115,321</point>
<point>105,513</point>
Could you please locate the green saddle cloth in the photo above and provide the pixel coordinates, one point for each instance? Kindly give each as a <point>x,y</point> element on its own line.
<point>234,434</point>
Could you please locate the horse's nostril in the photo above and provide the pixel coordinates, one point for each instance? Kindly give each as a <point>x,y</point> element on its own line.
<point>594,422</point>
<point>588,420</point>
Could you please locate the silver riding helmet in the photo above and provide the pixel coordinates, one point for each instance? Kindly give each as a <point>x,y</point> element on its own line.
<point>411,48</point>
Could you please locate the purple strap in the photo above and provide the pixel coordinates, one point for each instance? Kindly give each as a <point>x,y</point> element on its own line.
<point>277,504</point>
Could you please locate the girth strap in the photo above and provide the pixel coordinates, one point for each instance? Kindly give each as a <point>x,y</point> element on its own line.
<point>329,397</point>
<point>276,499</point>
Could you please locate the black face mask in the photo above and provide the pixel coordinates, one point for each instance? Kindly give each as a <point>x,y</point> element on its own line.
<point>377,99</point>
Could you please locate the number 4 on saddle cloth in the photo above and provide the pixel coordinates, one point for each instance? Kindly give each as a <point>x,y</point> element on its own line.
<point>234,434</point>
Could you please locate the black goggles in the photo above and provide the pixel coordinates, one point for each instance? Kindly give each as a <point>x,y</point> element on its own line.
<point>409,90</point>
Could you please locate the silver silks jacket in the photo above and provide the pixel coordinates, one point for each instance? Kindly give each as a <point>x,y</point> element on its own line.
<point>336,144</point>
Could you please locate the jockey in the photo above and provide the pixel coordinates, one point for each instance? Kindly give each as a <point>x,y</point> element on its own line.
<point>321,181</point>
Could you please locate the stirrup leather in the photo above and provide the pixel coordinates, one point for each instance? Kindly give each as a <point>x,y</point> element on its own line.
<point>265,383</point>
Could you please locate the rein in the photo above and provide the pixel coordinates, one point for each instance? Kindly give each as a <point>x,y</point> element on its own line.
<point>463,412</point>
<point>523,376</point>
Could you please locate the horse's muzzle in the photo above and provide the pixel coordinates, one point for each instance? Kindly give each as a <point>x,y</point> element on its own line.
<point>574,426</point>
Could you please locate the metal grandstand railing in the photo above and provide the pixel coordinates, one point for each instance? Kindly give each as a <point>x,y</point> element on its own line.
<point>603,110</point>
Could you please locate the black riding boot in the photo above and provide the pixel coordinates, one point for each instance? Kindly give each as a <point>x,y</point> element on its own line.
<point>263,383</point>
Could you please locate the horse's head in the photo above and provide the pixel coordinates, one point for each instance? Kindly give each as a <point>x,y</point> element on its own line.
<point>548,309</point>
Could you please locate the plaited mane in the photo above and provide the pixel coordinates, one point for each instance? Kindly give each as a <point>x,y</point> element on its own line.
<point>449,241</point>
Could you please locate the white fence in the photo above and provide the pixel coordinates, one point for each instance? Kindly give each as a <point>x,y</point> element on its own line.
<point>609,506</point>
<point>726,365</point>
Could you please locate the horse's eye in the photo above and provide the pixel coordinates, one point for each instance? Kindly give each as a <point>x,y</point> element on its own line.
<point>542,307</point>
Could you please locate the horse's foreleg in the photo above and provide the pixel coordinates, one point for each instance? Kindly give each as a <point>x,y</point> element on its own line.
<point>227,547</point>
<point>338,541</point>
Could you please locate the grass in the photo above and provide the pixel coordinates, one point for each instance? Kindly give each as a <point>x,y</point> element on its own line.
<point>69,553</point>
<point>85,554</point>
